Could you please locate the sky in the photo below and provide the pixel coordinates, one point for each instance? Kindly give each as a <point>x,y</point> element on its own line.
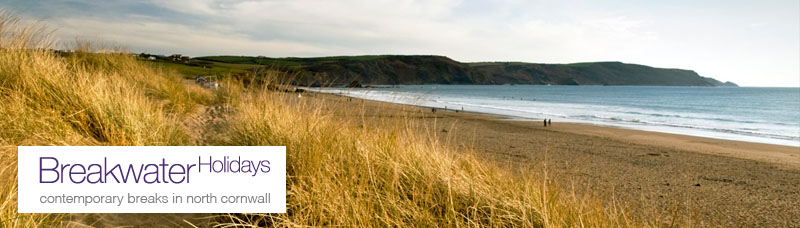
<point>752,43</point>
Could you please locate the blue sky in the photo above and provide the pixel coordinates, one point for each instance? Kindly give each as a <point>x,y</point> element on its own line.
<point>753,43</point>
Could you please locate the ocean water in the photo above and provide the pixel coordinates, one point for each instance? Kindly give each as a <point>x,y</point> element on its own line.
<point>765,115</point>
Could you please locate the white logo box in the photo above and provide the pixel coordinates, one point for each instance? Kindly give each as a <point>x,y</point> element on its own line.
<point>152,179</point>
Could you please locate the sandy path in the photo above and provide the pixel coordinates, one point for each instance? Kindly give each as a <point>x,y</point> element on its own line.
<point>202,125</point>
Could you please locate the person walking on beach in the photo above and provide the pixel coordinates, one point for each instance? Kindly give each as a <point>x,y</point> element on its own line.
<point>550,122</point>
<point>545,122</point>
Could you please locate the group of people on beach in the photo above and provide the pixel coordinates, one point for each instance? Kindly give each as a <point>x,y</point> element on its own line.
<point>445,108</point>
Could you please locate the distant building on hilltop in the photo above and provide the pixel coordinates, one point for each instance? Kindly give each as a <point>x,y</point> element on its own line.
<point>147,56</point>
<point>179,58</point>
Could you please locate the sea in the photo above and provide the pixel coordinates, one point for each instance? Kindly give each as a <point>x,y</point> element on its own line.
<point>751,114</point>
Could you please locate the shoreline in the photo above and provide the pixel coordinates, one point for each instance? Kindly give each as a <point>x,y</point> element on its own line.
<point>703,180</point>
<point>689,131</point>
<point>784,155</point>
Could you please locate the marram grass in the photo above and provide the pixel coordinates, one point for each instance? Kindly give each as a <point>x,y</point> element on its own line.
<point>80,98</point>
<point>355,175</point>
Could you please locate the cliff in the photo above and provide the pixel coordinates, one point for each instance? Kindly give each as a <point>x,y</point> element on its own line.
<point>414,69</point>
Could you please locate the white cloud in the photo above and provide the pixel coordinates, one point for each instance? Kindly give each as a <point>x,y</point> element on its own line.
<point>300,28</point>
<point>159,37</point>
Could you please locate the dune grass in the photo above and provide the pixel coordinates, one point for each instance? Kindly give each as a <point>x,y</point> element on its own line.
<point>351,173</point>
<point>93,96</point>
<point>340,172</point>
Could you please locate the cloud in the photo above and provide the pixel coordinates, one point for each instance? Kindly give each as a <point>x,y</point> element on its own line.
<point>349,27</point>
<point>160,37</point>
<point>196,7</point>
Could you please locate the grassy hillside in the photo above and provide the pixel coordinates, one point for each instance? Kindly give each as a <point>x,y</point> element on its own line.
<point>379,69</point>
<point>394,69</point>
<point>340,173</point>
<point>591,73</point>
<point>204,68</point>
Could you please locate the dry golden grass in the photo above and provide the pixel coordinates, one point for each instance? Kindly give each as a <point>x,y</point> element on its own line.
<point>339,173</point>
<point>346,173</point>
<point>79,99</point>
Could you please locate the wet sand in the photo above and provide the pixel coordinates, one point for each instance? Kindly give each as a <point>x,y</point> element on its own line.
<point>701,181</point>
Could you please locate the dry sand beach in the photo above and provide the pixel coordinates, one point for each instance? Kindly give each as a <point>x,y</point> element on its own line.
<point>702,180</point>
